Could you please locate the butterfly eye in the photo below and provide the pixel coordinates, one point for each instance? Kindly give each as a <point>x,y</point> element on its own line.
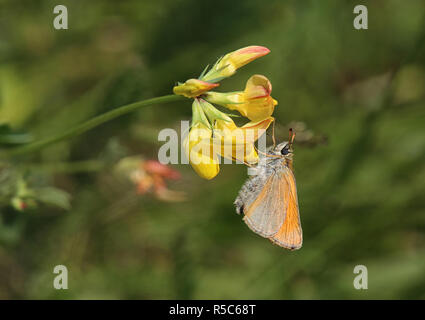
<point>285,151</point>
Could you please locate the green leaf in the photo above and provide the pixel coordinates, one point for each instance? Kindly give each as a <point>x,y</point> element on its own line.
<point>10,137</point>
<point>203,72</point>
<point>213,113</point>
<point>215,80</point>
<point>53,196</point>
<point>233,115</point>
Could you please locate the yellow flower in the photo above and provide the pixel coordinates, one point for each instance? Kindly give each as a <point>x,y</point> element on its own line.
<point>237,143</point>
<point>198,146</point>
<point>254,102</point>
<point>213,134</point>
<point>199,151</point>
<point>204,144</point>
<point>227,66</point>
<point>193,88</point>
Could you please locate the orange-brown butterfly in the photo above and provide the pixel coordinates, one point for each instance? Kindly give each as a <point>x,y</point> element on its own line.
<point>269,199</point>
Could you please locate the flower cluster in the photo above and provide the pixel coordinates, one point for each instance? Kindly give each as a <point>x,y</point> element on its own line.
<point>213,133</point>
<point>149,177</point>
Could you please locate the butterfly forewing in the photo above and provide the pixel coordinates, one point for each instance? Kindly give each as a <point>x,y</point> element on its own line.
<point>290,234</point>
<point>266,214</point>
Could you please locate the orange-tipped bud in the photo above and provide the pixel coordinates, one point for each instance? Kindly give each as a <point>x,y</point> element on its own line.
<point>193,88</point>
<point>232,61</point>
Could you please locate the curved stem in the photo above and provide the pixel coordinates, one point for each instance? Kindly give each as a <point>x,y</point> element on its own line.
<point>88,125</point>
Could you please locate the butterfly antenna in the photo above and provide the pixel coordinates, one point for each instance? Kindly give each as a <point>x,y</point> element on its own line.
<point>291,136</point>
<point>259,151</point>
<point>273,137</point>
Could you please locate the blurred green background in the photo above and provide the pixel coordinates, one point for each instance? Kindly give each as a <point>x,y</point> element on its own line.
<point>361,194</point>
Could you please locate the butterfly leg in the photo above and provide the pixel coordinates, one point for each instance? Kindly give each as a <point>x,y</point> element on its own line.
<point>273,137</point>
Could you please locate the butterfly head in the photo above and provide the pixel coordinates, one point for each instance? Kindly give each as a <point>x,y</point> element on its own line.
<point>285,148</point>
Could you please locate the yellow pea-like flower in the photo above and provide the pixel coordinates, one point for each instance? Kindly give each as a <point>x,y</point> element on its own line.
<point>198,145</point>
<point>237,143</point>
<point>204,144</point>
<point>255,102</point>
<point>213,134</point>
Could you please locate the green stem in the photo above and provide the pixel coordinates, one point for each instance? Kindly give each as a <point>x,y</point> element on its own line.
<point>88,125</point>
